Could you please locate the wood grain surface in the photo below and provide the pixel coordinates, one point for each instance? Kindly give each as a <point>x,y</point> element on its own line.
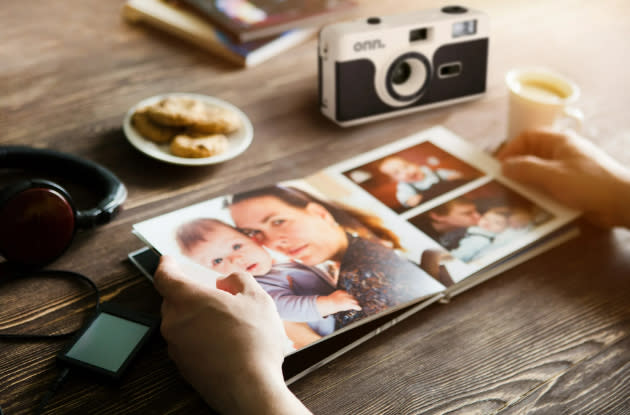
<point>551,336</point>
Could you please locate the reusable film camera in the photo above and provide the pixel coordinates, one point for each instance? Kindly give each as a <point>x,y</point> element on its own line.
<point>379,67</point>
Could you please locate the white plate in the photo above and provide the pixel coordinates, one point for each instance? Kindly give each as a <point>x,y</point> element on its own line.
<point>238,140</point>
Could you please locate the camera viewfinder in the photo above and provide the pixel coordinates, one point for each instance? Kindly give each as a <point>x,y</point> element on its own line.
<point>418,34</point>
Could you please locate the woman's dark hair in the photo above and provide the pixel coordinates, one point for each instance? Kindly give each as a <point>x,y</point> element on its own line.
<point>352,220</point>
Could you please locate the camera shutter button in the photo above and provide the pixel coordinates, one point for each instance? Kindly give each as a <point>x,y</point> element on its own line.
<point>454,9</point>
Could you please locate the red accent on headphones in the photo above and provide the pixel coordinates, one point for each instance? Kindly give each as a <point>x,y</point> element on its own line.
<point>38,219</point>
<point>39,225</point>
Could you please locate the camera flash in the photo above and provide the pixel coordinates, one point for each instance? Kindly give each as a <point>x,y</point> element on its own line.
<point>468,27</point>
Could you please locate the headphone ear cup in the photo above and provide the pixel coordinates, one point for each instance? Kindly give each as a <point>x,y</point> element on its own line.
<point>37,218</point>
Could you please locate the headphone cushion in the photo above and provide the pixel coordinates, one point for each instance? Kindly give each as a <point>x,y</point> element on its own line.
<point>93,175</point>
<point>37,219</point>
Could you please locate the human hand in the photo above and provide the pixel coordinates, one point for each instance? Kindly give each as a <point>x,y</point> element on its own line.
<point>572,170</point>
<point>301,334</point>
<point>431,259</point>
<point>339,300</point>
<point>227,341</point>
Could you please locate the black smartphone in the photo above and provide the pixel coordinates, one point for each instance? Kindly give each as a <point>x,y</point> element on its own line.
<point>109,342</point>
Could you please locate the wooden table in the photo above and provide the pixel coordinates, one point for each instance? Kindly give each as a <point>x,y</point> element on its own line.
<point>549,336</point>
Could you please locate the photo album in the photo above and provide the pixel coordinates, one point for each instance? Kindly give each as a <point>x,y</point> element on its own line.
<point>355,248</point>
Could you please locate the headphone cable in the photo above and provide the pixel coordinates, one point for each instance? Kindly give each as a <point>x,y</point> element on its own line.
<point>51,390</point>
<point>19,336</point>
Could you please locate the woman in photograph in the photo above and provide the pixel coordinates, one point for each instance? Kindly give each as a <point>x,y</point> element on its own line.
<point>352,247</point>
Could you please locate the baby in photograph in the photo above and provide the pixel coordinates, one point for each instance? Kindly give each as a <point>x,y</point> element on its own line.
<point>301,293</point>
<point>414,179</point>
<point>497,227</point>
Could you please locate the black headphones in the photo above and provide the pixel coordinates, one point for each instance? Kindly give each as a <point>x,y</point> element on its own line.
<point>37,217</point>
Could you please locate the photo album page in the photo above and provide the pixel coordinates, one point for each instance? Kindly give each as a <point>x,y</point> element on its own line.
<point>362,238</point>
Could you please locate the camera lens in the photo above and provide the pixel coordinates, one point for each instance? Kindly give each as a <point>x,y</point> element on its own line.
<point>407,77</point>
<point>401,73</point>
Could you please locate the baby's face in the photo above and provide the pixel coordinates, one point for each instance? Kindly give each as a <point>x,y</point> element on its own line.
<point>401,170</point>
<point>227,250</point>
<point>493,222</point>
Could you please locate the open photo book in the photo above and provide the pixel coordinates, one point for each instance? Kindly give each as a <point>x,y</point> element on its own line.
<point>353,249</point>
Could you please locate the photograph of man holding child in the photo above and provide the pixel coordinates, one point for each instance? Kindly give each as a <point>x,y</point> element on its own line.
<point>408,178</point>
<point>477,223</point>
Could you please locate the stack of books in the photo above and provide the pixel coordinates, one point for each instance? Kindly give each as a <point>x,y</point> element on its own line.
<point>243,32</point>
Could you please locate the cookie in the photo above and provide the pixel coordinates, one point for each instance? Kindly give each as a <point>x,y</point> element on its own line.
<point>195,114</point>
<point>175,111</point>
<point>217,120</point>
<point>152,131</point>
<point>196,147</point>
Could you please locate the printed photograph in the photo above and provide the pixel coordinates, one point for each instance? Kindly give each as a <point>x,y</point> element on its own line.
<point>325,265</point>
<point>410,177</point>
<point>478,223</point>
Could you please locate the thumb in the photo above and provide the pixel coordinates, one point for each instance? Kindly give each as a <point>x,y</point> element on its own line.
<point>531,170</point>
<point>169,277</point>
<point>238,282</point>
<point>176,287</point>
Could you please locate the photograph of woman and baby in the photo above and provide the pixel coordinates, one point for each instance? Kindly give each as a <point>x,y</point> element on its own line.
<point>325,265</point>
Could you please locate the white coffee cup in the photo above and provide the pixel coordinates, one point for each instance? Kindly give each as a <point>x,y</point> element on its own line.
<point>539,98</point>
